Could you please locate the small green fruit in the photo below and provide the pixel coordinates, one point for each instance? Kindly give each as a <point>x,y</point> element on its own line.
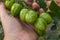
<point>31,17</point>
<point>40,24</point>
<point>46,17</point>
<point>15,10</point>
<point>41,38</point>
<point>9,3</point>
<point>39,32</point>
<point>23,14</point>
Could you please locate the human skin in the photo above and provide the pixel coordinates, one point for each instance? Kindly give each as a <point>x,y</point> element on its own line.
<point>56,1</point>
<point>14,29</point>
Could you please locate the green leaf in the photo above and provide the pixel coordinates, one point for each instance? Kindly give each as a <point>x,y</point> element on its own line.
<point>19,1</point>
<point>55,14</point>
<point>54,7</point>
<point>22,2</point>
<point>42,4</point>
<point>1,32</point>
<point>55,10</point>
<point>54,26</point>
<point>41,38</point>
<point>52,37</point>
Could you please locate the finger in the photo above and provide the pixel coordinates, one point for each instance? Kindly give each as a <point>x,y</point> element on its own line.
<point>2,8</point>
<point>12,27</point>
<point>10,24</point>
<point>35,6</point>
<point>41,10</point>
<point>48,3</point>
<point>29,2</point>
<point>2,4</point>
<point>57,2</point>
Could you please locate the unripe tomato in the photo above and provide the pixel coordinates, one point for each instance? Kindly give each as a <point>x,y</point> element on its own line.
<point>39,32</point>
<point>23,14</point>
<point>15,10</point>
<point>46,17</point>
<point>31,17</point>
<point>40,24</point>
<point>41,38</point>
<point>9,3</point>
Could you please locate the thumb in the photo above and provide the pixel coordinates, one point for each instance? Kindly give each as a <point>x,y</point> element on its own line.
<point>2,9</point>
<point>2,5</point>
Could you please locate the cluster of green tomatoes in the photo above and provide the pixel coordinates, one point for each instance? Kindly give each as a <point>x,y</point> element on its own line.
<point>40,21</point>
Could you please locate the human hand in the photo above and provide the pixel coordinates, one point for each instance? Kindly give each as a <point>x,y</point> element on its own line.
<point>15,29</point>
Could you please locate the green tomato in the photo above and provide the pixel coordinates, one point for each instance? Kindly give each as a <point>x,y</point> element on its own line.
<point>41,38</point>
<point>15,10</point>
<point>45,23</point>
<point>39,32</point>
<point>9,3</point>
<point>40,24</point>
<point>23,14</point>
<point>31,17</point>
<point>46,17</point>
